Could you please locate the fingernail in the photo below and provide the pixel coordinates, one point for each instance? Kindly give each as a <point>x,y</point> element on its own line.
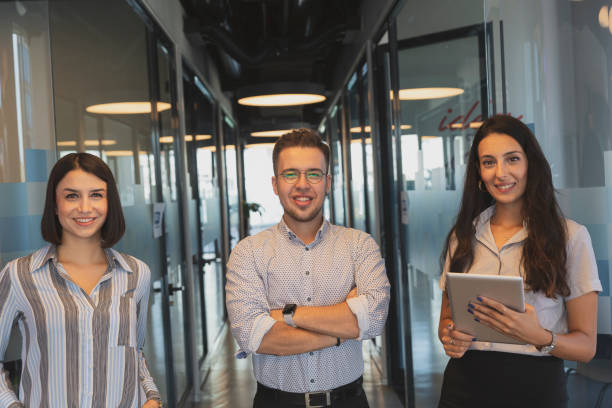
<point>471,306</point>
<point>479,299</point>
<point>471,311</point>
<point>477,319</point>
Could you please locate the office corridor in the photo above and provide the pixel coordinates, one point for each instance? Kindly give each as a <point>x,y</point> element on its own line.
<point>229,383</point>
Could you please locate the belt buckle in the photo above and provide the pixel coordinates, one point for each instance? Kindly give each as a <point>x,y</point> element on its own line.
<point>327,399</point>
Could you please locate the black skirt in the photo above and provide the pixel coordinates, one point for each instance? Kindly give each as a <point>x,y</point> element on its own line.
<point>494,379</point>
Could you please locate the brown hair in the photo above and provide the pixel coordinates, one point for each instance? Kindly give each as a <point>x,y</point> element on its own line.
<point>544,252</point>
<point>113,227</point>
<point>300,138</point>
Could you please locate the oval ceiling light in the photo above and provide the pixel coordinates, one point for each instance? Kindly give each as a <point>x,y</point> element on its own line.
<point>270,133</point>
<point>94,142</point>
<point>357,129</point>
<point>281,100</point>
<point>417,94</point>
<point>281,94</point>
<point>126,108</point>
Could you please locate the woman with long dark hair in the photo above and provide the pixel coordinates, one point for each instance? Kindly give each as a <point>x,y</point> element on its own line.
<point>510,223</point>
<point>81,306</point>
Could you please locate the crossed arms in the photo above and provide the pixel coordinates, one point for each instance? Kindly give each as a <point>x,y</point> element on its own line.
<point>317,327</point>
<point>259,327</point>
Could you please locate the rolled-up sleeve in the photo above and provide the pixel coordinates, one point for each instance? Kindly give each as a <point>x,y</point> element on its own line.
<point>373,289</point>
<point>247,305</point>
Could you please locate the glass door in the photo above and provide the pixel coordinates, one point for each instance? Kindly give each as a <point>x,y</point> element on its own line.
<point>205,210</point>
<point>170,165</point>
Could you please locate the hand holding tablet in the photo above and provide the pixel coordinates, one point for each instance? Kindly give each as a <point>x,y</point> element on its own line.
<point>464,290</point>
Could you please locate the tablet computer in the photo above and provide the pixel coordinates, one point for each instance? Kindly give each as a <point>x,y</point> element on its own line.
<point>464,288</point>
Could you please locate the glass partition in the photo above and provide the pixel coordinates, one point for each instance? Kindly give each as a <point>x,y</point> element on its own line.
<point>553,67</point>
<point>27,140</point>
<point>356,139</point>
<point>201,137</point>
<point>231,179</point>
<point>337,166</point>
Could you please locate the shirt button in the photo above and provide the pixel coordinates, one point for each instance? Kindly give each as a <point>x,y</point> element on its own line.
<point>306,248</point>
<point>307,273</point>
<point>312,380</point>
<point>311,353</point>
<point>309,299</point>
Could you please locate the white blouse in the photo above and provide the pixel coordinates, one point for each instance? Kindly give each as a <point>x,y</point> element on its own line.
<point>582,276</point>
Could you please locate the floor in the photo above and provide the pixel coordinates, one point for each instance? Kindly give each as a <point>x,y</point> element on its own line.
<point>230,382</point>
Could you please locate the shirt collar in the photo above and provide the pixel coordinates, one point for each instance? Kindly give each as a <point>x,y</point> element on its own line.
<point>285,230</point>
<point>49,253</point>
<point>482,224</point>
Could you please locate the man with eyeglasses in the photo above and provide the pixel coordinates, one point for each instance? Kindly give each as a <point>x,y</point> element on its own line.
<point>302,295</point>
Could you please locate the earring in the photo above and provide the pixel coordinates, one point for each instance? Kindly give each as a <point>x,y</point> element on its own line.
<point>480,186</point>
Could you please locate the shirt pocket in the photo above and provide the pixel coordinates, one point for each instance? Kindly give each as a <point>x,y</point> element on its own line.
<point>127,320</point>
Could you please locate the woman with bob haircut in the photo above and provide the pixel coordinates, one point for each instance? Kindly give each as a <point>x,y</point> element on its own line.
<point>510,223</point>
<point>81,306</point>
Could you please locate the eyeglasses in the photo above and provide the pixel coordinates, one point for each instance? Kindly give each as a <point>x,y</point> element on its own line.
<point>291,176</point>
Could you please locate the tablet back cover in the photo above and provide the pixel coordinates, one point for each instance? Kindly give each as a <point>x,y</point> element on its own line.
<point>464,288</point>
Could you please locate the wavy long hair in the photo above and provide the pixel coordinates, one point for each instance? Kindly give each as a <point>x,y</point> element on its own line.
<point>544,251</point>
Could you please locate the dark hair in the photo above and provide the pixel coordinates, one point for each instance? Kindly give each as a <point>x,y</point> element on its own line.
<point>300,138</point>
<point>544,252</point>
<point>113,227</point>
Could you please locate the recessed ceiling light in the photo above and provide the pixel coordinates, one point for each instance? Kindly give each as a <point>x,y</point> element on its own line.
<point>97,142</point>
<point>288,99</point>
<point>270,133</point>
<point>119,153</point>
<point>475,125</point>
<point>166,139</point>
<point>416,94</point>
<point>126,108</point>
<point>67,143</point>
<point>357,129</point>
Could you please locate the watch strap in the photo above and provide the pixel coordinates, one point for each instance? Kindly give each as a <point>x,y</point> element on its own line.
<point>289,319</point>
<point>551,346</point>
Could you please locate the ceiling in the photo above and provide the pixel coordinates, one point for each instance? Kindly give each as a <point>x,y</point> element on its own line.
<point>257,42</point>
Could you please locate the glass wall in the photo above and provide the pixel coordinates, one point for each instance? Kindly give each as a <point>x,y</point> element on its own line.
<point>543,62</point>
<point>231,179</point>
<point>337,167</point>
<point>105,53</point>
<point>27,140</point>
<point>205,208</point>
<point>356,139</point>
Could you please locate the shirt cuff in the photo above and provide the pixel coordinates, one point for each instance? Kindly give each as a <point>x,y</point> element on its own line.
<point>262,324</point>
<point>359,307</point>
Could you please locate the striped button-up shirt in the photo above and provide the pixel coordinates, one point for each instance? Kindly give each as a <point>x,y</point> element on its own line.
<point>274,268</point>
<point>79,349</point>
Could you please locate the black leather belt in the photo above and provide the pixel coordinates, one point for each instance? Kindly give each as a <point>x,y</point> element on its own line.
<point>318,399</point>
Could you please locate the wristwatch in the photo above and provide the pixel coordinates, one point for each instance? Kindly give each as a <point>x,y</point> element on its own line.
<point>288,312</point>
<point>549,347</point>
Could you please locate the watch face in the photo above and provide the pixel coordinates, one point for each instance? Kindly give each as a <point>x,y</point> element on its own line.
<point>289,309</point>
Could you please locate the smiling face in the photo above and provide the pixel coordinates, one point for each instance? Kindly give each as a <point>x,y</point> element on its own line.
<point>302,201</point>
<point>81,205</point>
<point>503,168</point>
